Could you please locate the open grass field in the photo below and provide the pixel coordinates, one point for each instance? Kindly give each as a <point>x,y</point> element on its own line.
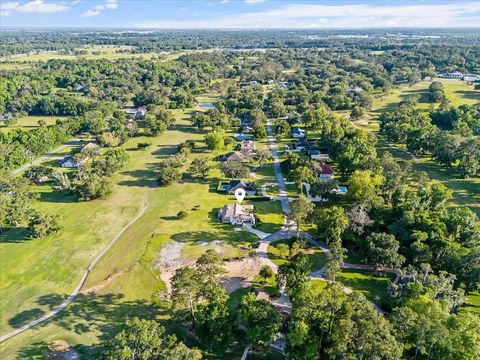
<point>278,253</point>
<point>37,274</point>
<point>366,282</point>
<point>30,122</point>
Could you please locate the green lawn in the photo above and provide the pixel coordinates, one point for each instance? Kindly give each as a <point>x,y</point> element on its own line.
<point>278,253</point>
<point>473,303</point>
<point>374,287</point>
<point>37,274</point>
<point>270,215</point>
<point>30,122</point>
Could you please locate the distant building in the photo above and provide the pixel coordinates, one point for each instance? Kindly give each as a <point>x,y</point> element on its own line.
<point>317,155</point>
<point>324,171</point>
<point>298,132</point>
<point>135,112</point>
<point>248,146</point>
<point>69,162</point>
<point>247,185</point>
<point>240,156</point>
<point>237,214</point>
<point>452,75</point>
<point>242,137</point>
<point>354,90</point>
<point>90,146</point>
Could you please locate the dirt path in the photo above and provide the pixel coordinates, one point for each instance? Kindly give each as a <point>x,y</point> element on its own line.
<point>79,285</point>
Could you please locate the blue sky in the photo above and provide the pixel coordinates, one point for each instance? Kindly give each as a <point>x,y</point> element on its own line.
<point>232,14</point>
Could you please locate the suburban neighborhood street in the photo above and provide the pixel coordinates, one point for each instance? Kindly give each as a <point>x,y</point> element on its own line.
<point>282,189</point>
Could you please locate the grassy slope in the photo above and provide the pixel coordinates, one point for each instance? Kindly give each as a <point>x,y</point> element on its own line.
<point>40,272</point>
<point>30,122</point>
<point>466,191</point>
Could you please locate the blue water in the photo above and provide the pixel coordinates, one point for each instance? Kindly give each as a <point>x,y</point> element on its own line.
<point>342,189</point>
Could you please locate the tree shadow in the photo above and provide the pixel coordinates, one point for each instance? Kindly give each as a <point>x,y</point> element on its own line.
<point>143,178</point>
<point>163,151</point>
<point>468,94</point>
<point>60,197</point>
<point>24,317</point>
<point>15,235</point>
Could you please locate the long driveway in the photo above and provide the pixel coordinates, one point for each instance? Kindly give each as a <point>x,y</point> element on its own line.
<point>47,156</point>
<point>282,189</point>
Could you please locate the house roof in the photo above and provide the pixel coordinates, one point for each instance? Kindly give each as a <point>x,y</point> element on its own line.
<point>297,130</point>
<point>239,156</point>
<point>324,168</point>
<point>243,212</point>
<point>90,145</point>
<point>244,184</point>
<point>69,158</point>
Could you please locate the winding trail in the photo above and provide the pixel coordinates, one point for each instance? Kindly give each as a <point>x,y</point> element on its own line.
<point>79,285</point>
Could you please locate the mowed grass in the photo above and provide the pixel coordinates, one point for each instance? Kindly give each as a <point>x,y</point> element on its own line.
<point>31,122</point>
<point>37,274</point>
<point>473,303</point>
<point>372,286</point>
<point>279,254</point>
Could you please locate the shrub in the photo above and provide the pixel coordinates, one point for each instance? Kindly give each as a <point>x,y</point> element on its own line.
<point>182,215</point>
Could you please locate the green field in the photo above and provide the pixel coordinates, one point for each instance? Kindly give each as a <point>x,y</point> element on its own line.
<point>37,274</point>
<point>278,253</point>
<point>473,303</point>
<point>30,122</point>
<point>372,286</point>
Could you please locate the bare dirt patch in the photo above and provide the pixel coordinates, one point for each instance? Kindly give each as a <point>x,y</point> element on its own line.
<point>104,283</point>
<point>240,273</point>
<point>170,259</point>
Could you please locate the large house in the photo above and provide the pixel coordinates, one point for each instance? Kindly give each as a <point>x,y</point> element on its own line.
<point>247,185</point>
<point>237,214</point>
<point>242,156</point>
<point>248,146</point>
<point>324,171</point>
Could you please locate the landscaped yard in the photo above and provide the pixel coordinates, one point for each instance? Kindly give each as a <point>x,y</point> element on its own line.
<point>279,254</point>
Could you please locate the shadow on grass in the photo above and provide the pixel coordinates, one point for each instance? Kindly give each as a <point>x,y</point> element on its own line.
<point>468,94</point>
<point>61,197</point>
<point>15,235</point>
<point>142,178</point>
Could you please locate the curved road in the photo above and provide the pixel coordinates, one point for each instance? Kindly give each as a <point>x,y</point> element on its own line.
<point>79,286</point>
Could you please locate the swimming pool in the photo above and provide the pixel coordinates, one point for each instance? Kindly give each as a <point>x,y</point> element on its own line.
<point>207,105</point>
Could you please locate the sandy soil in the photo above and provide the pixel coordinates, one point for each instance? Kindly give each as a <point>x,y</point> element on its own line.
<point>240,273</point>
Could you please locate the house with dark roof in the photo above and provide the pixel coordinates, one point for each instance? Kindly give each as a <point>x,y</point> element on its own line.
<point>323,171</point>
<point>247,185</point>
<point>316,154</point>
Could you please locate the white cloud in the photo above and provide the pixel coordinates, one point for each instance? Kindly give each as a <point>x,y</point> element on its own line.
<point>36,6</point>
<point>224,1</point>
<point>454,14</point>
<point>254,1</point>
<point>91,13</point>
<point>97,9</point>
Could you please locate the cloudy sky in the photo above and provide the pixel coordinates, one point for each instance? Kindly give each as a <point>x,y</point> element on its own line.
<point>224,14</point>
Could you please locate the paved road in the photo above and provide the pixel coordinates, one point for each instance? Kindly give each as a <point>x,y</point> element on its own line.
<point>47,156</point>
<point>77,289</point>
<point>282,189</point>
